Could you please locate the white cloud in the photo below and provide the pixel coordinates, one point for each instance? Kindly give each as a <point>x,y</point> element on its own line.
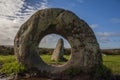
<point>104,39</point>
<point>10,7</point>
<point>108,34</point>
<point>12,14</point>
<point>44,4</point>
<point>94,26</point>
<point>50,41</point>
<point>115,20</point>
<point>105,36</point>
<point>80,1</point>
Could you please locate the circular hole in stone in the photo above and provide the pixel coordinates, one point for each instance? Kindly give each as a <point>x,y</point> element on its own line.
<point>54,49</point>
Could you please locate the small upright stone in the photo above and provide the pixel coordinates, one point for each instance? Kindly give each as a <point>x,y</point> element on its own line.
<point>58,52</point>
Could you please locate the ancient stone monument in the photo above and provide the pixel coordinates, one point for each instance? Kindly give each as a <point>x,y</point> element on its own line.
<point>58,52</point>
<point>85,51</point>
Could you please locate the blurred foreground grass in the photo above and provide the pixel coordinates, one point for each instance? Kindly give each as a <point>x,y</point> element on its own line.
<point>10,64</point>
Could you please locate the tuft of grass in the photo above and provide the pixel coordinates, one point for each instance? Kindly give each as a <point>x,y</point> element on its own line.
<point>7,59</point>
<point>10,65</point>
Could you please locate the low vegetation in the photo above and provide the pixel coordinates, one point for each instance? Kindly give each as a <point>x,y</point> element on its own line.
<point>47,59</point>
<point>9,64</point>
<point>112,62</point>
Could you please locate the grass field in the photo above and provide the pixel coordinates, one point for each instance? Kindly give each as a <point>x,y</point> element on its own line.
<point>10,65</point>
<point>47,59</point>
<point>112,62</point>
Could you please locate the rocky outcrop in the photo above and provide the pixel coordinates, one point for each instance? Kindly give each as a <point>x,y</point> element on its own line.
<point>58,54</point>
<point>85,51</point>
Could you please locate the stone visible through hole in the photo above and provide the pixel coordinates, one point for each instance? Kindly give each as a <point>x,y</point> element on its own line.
<point>54,49</point>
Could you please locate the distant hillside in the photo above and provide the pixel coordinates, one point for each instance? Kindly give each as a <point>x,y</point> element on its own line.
<point>111,51</point>
<point>8,50</point>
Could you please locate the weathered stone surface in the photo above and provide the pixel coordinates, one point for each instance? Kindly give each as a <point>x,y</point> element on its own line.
<point>85,51</point>
<point>58,52</point>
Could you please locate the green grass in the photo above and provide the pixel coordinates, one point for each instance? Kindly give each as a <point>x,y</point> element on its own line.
<point>47,59</point>
<point>10,64</point>
<point>7,59</point>
<point>12,67</point>
<point>112,62</point>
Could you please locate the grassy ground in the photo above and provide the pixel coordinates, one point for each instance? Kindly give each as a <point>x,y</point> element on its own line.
<point>47,59</point>
<point>112,62</point>
<point>10,65</point>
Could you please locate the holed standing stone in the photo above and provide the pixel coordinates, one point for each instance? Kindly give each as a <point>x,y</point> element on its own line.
<point>85,52</point>
<point>58,53</point>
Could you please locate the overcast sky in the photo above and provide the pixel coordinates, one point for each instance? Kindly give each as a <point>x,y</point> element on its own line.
<point>102,15</point>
